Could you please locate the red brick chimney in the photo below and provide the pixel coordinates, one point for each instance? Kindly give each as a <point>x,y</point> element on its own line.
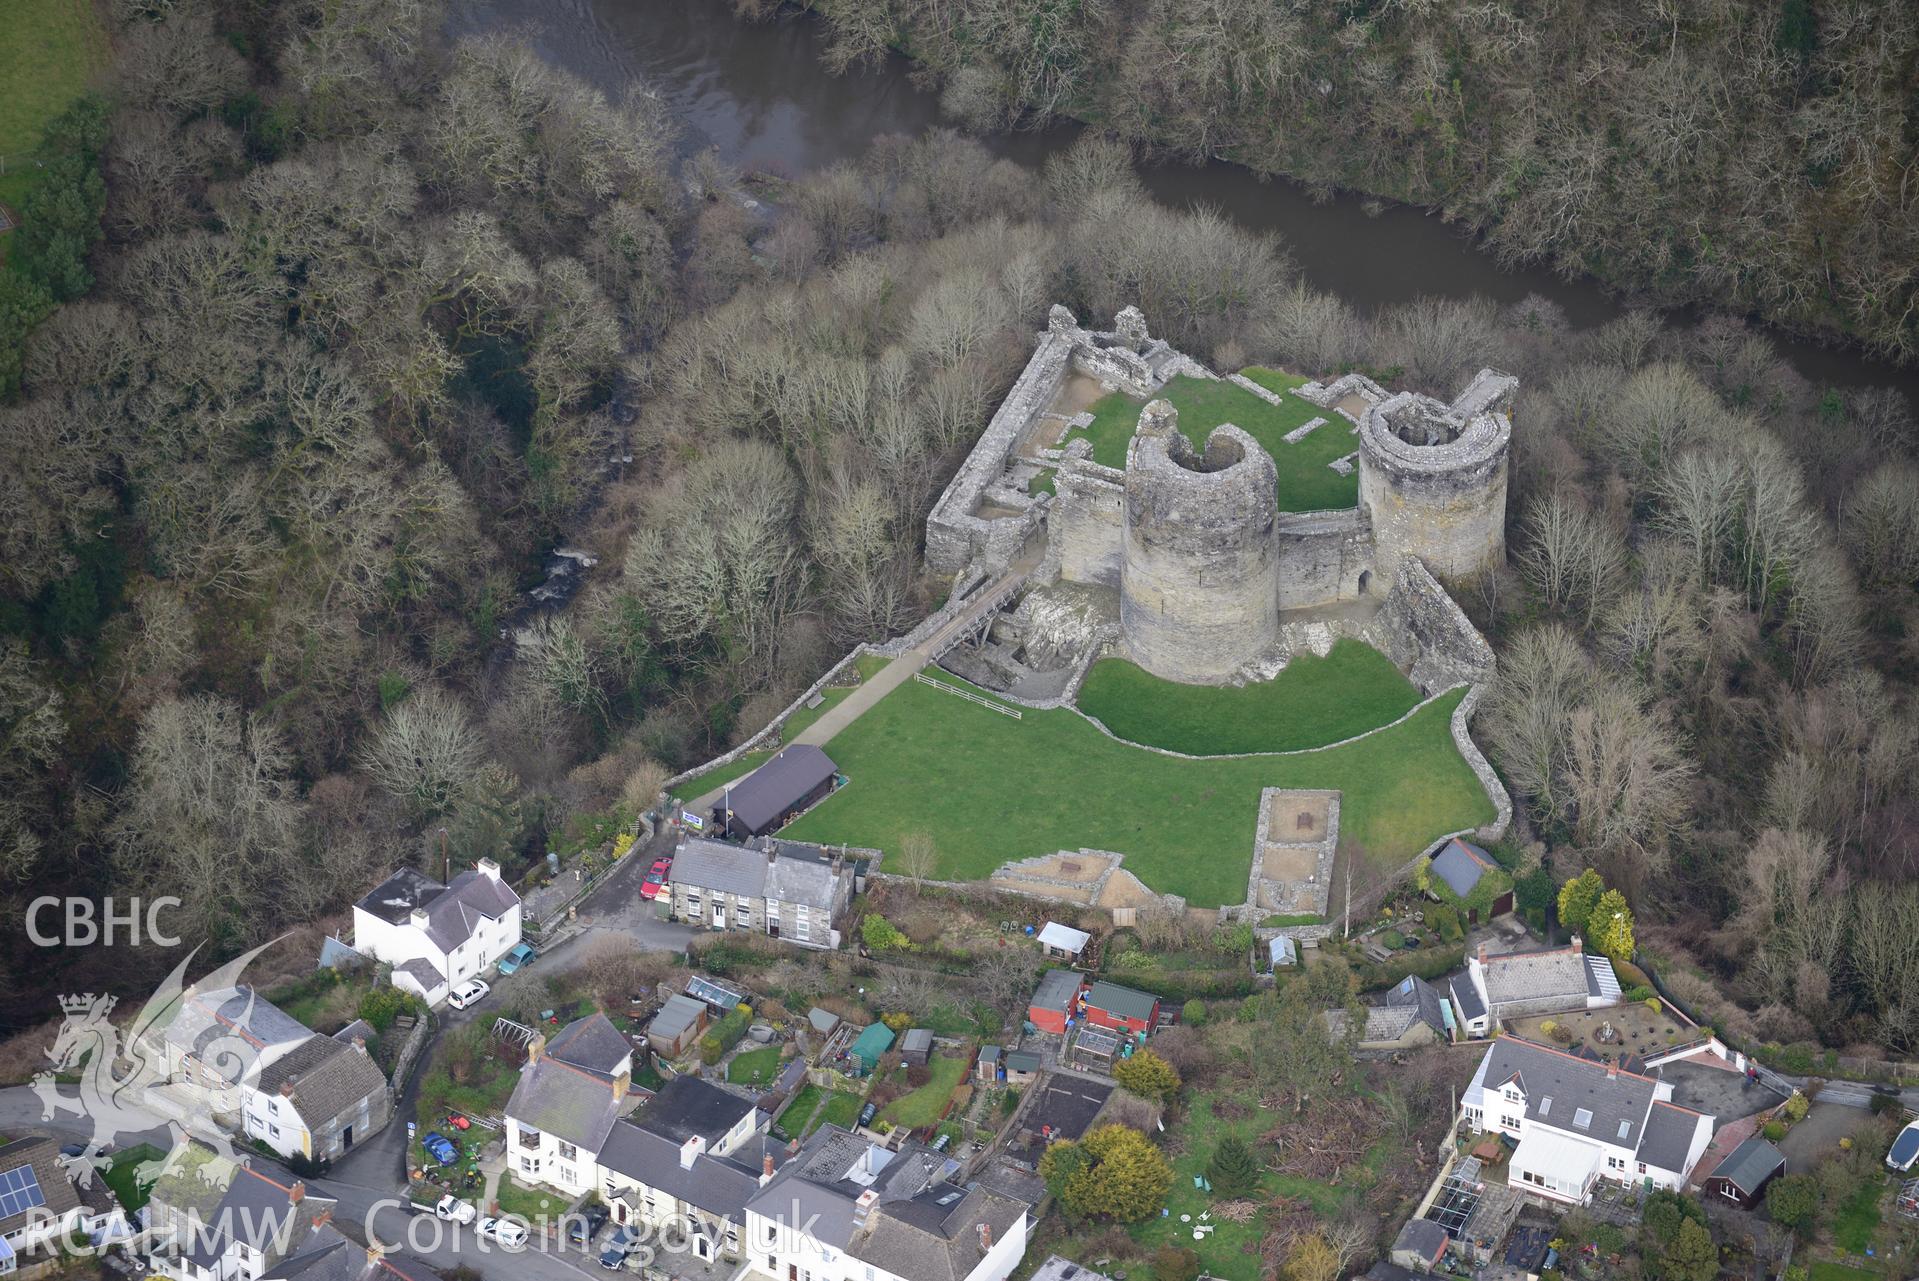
<point>1482,953</point>
<point>766,1169</point>
<point>985,1238</point>
<point>536,1047</point>
<point>1579,946</point>
<point>297,1193</point>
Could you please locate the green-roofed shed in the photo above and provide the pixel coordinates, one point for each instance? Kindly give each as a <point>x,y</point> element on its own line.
<point>876,1040</point>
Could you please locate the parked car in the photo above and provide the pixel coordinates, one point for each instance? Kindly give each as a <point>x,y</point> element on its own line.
<point>439,1147</point>
<point>655,883</point>
<point>618,1246</point>
<point>521,955</point>
<point>507,1233</point>
<point>471,992</point>
<point>581,1228</point>
<point>454,1210</point>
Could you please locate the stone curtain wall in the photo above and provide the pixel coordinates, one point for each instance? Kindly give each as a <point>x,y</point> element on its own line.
<point>1321,556</point>
<point>1427,635</point>
<point>1087,519</point>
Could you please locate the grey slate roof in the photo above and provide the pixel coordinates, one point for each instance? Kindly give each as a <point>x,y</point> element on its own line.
<point>1122,1001</point>
<point>1466,997</point>
<point>358,1028</point>
<point>1461,865</point>
<point>989,1053</point>
<point>328,1078</point>
<point>41,1154</point>
<point>424,972</point>
<point>716,867</point>
<point>1422,1237</point>
<point>777,786</point>
<point>917,1039</point>
<point>592,1043</point>
<point>1750,1164</point>
<point>1557,1086</point>
<point>1535,976</point>
<point>220,1021</point>
<point>394,899</point>
<point>805,874</point>
<point>1022,1061</point>
<point>258,1212</point>
<point>686,1107</point>
<point>1388,1018</point>
<point>564,1101</point>
<point>922,1240</point>
<point>822,1020</point>
<point>1057,988</point>
<point>717,1185</point>
<point>473,896</point>
<point>1668,1138</point>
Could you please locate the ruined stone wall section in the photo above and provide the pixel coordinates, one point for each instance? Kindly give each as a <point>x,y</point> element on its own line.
<point>1198,590</point>
<point>1322,556</point>
<point>1427,635</point>
<point>1087,521</point>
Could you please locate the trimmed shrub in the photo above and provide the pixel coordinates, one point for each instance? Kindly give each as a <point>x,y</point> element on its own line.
<point>1773,1131</point>
<point>1194,1015</point>
<point>725,1034</point>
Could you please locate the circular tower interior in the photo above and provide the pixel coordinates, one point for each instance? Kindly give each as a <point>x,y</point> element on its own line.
<point>1198,578</point>
<point>1432,479</point>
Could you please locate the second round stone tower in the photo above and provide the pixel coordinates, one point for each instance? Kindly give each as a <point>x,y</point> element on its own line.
<point>1199,571</point>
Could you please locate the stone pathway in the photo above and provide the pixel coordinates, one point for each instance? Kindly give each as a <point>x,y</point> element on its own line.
<point>894,674</point>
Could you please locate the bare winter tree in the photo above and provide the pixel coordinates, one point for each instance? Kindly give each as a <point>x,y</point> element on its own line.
<point>918,856</point>
<point>425,753</point>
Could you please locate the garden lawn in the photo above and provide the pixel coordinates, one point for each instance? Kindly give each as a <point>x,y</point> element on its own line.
<point>800,1118</point>
<point>1312,702</point>
<point>1827,1270</point>
<point>754,1067</point>
<point>531,1204</point>
<point>923,1106</point>
<point>49,49</point>
<point>1306,483</point>
<point>987,788</point>
<point>1858,1218</point>
<point>707,780</point>
<point>123,1175</point>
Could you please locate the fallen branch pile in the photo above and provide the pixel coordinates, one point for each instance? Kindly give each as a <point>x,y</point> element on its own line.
<point>1323,1141</point>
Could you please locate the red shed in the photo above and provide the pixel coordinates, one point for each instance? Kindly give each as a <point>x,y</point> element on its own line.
<point>1053,1003</point>
<point>1121,1008</point>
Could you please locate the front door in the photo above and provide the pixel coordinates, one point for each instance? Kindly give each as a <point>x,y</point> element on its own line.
<point>719,918</point>
<point>346,1137</point>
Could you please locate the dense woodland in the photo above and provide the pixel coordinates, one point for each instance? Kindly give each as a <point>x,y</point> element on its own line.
<point>1758,154</point>
<point>332,330</point>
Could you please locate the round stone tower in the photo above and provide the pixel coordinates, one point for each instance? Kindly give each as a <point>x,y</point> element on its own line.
<point>1198,578</point>
<point>1432,479</point>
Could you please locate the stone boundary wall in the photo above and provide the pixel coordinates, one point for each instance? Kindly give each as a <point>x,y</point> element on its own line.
<point>1328,844</point>
<point>1426,634</point>
<point>773,726</point>
<point>1328,395</point>
<point>1244,383</point>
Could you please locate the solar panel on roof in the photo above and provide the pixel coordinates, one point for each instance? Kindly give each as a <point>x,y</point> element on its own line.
<point>20,1192</point>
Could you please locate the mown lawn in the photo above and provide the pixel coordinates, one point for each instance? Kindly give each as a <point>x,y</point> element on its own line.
<point>1312,702</point>
<point>531,1204</point>
<point>804,1114</point>
<point>754,1067</point>
<point>1827,1270</point>
<point>1306,483</point>
<point>988,788</point>
<point>923,1106</point>
<point>49,49</point>
<point>700,784</point>
<point>123,1175</point>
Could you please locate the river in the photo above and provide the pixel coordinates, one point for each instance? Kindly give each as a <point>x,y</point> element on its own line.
<point>759,93</point>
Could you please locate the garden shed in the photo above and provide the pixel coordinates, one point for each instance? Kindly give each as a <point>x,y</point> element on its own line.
<point>1063,942</point>
<point>1742,1177</point>
<point>1053,1003</point>
<point>776,793</point>
<point>986,1069</point>
<point>916,1046</point>
<point>676,1027</point>
<point>1021,1067</point>
<point>1121,1008</point>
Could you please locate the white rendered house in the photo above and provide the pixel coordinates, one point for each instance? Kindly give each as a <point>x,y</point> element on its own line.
<point>437,936</point>
<point>1579,1121</point>
<point>571,1091</point>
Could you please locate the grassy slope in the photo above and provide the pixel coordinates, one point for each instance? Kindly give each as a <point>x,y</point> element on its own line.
<point>49,50</point>
<point>1306,483</point>
<point>699,784</point>
<point>989,788</point>
<point>1313,702</point>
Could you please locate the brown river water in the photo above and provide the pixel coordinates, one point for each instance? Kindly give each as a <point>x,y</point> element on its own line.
<point>759,93</point>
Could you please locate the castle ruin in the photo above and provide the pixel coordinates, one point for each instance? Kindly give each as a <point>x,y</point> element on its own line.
<point>1182,560</point>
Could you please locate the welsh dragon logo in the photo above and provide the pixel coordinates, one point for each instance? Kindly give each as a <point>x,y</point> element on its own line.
<point>118,1067</point>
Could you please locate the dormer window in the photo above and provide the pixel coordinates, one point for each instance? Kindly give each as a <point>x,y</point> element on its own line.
<point>1583,1119</point>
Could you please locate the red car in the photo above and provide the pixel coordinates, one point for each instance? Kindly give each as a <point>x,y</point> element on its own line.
<point>655,883</point>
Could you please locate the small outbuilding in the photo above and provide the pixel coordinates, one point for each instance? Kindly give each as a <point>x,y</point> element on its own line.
<point>1282,953</point>
<point>1063,942</point>
<point>1420,1245</point>
<point>916,1046</point>
<point>1022,1067</point>
<point>1123,1009</point>
<point>776,793</point>
<point>1095,1049</point>
<point>1461,865</point>
<point>865,1052</point>
<point>986,1067</point>
<point>822,1021</point>
<point>1054,1002</point>
<point>1742,1177</point>
<point>676,1027</point>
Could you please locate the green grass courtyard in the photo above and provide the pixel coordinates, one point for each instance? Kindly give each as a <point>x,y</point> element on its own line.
<point>1306,483</point>
<point>49,50</point>
<point>923,1106</point>
<point>989,788</point>
<point>813,1107</point>
<point>754,1067</point>
<point>699,784</point>
<point>1312,702</point>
